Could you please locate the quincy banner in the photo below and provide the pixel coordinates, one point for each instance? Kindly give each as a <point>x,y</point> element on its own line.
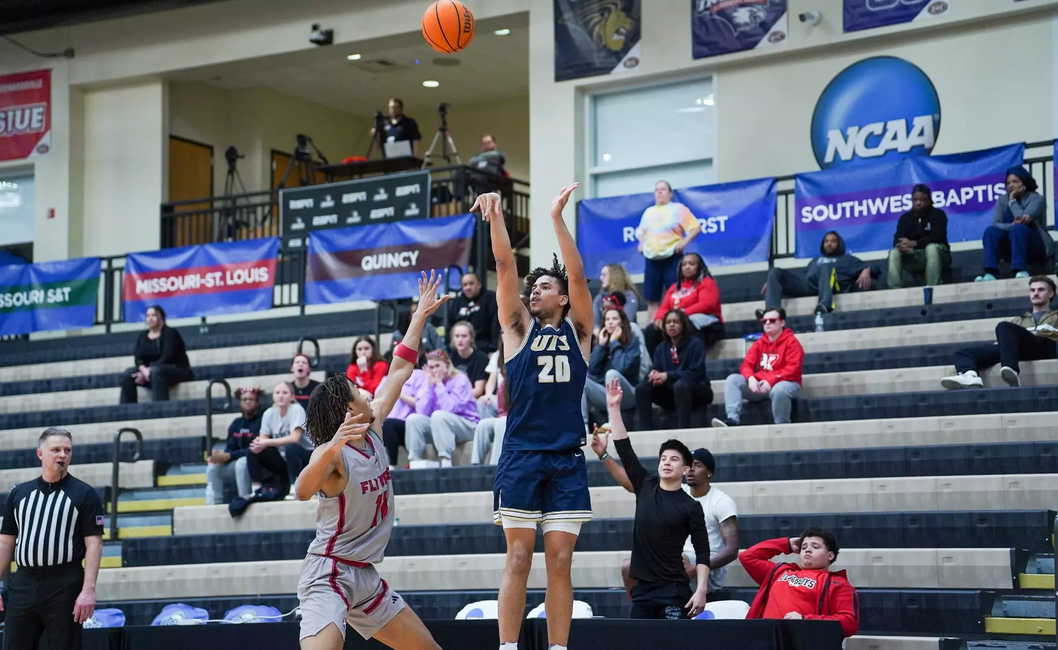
<point>25,114</point>
<point>725,26</point>
<point>864,202</point>
<point>736,220</point>
<point>595,37</point>
<point>48,296</point>
<point>383,262</point>
<point>202,280</point>
<point>868,14</point>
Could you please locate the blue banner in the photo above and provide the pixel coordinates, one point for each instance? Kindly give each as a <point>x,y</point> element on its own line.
<point>202,280</point>
<point>383,261</point>
<point>725,26</point>
<point>869,14</point>
<point>736,220</point>
<point>48,296</point>
<point>864,202</point>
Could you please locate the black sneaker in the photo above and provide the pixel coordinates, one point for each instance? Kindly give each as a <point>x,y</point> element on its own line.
<point>723,424</point>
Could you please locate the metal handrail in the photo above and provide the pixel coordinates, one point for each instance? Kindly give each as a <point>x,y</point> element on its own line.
<point>1054,533</point>
<point>393,306</point>
<point>209,411</point>
<point>314,360</point>
<point>115,475</point>
<point>449,288</point>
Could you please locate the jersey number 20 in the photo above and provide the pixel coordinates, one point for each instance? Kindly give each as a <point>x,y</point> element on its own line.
<point>553,369</point>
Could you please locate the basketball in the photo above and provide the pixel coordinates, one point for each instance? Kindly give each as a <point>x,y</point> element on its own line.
<point>448,26</point>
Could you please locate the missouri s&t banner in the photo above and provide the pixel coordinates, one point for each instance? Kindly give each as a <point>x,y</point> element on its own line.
<point>383,262</point>
<point>201,280</point>
<point>594,37</point>
<point>25,114</point>
<point>736,220</point>
<point>863,203</point>
<point>725,26</point>
<point>868,14</point>
<point>48,296</point>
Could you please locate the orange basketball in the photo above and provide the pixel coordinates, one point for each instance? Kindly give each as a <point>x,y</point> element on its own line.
<point>448,26</point>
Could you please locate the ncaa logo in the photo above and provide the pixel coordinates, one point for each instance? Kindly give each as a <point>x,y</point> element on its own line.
<point>882,108</point>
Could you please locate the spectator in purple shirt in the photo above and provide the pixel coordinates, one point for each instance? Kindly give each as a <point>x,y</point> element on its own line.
<point>446,412</point>
<point>393,427</point>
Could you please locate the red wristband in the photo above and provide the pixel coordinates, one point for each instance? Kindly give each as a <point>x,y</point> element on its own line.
<point>411,355</point>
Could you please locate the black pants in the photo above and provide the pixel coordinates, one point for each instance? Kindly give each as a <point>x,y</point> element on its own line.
<point>297,457</point>
<point>1013,344</point>
<point>393,438</point>
<point>163,377</point>
<point>659,601</point>
<point>680,396</point>
<point>39,608</point>
<point>269,469</point>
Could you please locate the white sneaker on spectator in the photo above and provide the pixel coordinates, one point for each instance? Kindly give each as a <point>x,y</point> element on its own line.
<point>1010,376</point>
<point>968,379</point>
<point>446,462</point>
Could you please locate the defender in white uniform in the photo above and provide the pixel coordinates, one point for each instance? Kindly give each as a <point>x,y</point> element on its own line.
<point>349,471</point>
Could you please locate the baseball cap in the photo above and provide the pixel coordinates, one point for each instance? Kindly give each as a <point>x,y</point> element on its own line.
<point>705,457</point>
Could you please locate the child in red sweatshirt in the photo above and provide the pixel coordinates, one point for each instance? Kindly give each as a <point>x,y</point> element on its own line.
<point>809,591</point>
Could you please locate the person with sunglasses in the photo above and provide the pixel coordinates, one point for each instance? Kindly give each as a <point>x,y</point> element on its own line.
<point>678,380</point>
<point>771,370</point>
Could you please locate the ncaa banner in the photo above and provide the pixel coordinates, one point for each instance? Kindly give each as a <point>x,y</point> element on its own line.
<point>864,202</point>
<point>203,280</point>
<point>384,261</point>
<point>725,26</point>
<point>868,14</point>
<point>25,114</point>
<point>595,37</point>
<point>736,220</point>
<point>48,296</point>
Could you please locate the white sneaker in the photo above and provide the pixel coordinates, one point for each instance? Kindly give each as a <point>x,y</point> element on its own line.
<point>446,462</point>
<point>719,424</point>
<point>968,379</point>
<point>1010,376</point>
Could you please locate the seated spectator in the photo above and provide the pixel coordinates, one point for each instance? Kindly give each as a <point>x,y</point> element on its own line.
<point>678,380</point>
<point>366,369</point>
<point>1029,337</point>
<point>474,363</point>
<point>491,428</point>
<point>834,270</point>
<point>490,160</point>
<point>445,410</point>
<point>771,370</point>
<point>488,404</point>
<point>617,299</point>
<point>228,465</point>
<point>921,241</point>
<point>696,295</point>
<point>810,590</point>
<point>615,356</point>
<point>161,360</point>
<point>614,279</point>
<point>1019,228</point>
<point>283,427</point>
<point>430,339</point>
<point>665,230</point>
<point>303,386</point>
<point>393,427</point>
<point>477,306</point>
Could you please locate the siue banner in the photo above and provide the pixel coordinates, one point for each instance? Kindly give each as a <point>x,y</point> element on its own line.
<point>725,26</point>
<point>869,14</point>
<point>864,202</point>
<point>48,296</point>
<point>25,114</point>
<point>203,280</point>
<point>383,261</point>
<point>736,221</point>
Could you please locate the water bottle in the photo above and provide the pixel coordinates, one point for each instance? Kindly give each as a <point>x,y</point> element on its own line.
<point>819,321</point>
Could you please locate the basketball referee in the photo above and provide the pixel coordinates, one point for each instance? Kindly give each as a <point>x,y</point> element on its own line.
<point>50,526</point>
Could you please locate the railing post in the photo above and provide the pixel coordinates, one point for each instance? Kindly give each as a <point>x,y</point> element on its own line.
<point>115,475</point>
<point>314,360</point>
<point>449,288</point>
<point>209,411</point>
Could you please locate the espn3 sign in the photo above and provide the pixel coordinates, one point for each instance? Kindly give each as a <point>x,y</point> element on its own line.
<point>877,109</point>
<point>25,114</point>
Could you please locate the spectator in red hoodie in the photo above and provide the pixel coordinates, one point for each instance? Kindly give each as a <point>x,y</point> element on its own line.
<point>771,370</point>
<point>696,295</point>
<point>366,368</point>
<point>809,591</point>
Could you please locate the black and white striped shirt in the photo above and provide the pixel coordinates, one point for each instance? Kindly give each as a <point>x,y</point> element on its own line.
<point>51,520</point>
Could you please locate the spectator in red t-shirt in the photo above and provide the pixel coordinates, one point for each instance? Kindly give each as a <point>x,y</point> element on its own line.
<point>771,370</point>
<point>366,368</point>
<point>809,591</point>
<point>695,294</point>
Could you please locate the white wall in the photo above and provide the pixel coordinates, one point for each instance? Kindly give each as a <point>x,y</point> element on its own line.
<point>507,120</point>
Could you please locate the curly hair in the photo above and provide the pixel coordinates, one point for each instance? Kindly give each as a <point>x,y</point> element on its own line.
<point>327,407</point>
<point>558,272</point>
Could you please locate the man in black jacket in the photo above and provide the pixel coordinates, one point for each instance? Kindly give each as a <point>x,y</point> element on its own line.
<point>921,240</point>
<point>230,465</point>
<point>834,271</point>
<point>477,306</point>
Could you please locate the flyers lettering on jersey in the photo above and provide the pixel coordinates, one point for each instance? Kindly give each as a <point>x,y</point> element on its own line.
<point>25,115</point>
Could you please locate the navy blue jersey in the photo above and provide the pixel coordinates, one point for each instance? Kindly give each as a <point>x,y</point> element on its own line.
<point>545,380</point>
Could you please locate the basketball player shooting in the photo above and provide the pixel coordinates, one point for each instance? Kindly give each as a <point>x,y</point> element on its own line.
<point>541,478</point>
<point>354,519</point>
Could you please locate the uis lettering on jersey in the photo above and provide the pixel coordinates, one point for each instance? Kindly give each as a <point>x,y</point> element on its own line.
<point>376,484</point>
<point>550,343</point>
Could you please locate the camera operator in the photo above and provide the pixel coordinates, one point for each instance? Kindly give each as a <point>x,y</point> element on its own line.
<point>400,127</point>
<point>490,160</point>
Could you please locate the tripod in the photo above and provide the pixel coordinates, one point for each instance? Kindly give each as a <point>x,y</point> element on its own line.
<point>302,160</point>
<point>229,201</point>
<point>444,138</point>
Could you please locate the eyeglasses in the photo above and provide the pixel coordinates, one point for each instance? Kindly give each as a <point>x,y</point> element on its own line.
<point>769,321</point>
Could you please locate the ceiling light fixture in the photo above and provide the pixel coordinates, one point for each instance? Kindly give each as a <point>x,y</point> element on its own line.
<point>353,57</point>
<point>430,83</point>
<point>502,32</point>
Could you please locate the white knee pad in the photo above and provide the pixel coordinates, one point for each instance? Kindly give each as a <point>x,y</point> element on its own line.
<point>571,527</point>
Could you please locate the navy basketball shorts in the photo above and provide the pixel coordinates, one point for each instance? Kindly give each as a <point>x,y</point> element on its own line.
<point>541,487</point>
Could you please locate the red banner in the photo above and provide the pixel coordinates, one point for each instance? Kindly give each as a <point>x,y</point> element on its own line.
<point>25,114</point>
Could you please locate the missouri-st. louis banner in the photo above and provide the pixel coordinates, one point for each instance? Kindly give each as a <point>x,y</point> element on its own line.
<point>594,37</point>
<point>48,296</point>
<point>202,280</point>
<point>383,261</point>
<point>864,202</point>
<point>724,26</point>
<point>868,14</point>
<point>736,220</point>
<point>25,114</point>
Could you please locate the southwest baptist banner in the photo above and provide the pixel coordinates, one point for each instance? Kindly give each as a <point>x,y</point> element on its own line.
<point>724,26</point>
<point>48,296</point>
<point>868,14</point>
<point>202,280</point>
<point>25,114</point>
<point>383,261</point>
<point>736,220</point>
<point>864,202</point>
<point>595,37</point>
